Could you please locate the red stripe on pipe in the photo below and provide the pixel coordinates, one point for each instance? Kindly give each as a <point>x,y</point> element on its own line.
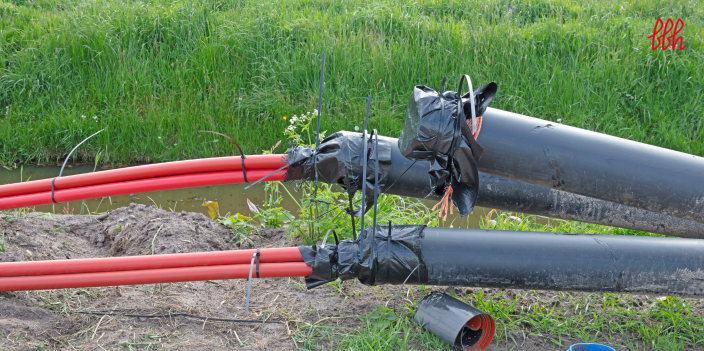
<point>138,186</point>
<point>152,276</point>
<point>131,263</point>
<point>217,164</point>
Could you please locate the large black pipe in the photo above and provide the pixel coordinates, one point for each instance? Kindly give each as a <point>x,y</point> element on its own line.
<point>408,178</point>
<point>517,260</point>
<point>596,165</point>
<point>549,261</point>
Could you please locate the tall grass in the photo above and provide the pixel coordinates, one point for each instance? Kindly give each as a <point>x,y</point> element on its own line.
<point>155,72</point>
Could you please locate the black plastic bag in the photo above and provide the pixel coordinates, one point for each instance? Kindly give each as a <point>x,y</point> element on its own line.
<point>387,255</point>
<point>436,130</point>
<point>339,160</point>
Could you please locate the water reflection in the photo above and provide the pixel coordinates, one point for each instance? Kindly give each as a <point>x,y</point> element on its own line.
<point>231,198</point>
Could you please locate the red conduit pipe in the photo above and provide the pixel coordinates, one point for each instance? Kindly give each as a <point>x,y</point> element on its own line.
<point>152,276</point>
<point>138,186</point>
<point>216,164</point>
<point>132,263</point>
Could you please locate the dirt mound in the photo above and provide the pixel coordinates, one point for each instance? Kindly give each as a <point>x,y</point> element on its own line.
<point>32,321</point>
<point>143,230</point>
<point>133,230</point>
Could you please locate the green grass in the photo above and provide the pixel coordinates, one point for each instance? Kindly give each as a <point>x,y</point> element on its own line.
<point>156,72</point>
<point>622,321</point>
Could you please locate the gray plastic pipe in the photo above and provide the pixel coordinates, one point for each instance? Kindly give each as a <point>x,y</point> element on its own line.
<point>596,165</point>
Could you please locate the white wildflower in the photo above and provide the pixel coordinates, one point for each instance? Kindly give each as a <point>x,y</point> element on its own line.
<point>356,128</point>
<point>215,141</point>
<point>175,144</point>
<point>159,137</point>
<point>95,117</point>
<point>83,116</point>
<point>512,218</point>
<point>559,120</point>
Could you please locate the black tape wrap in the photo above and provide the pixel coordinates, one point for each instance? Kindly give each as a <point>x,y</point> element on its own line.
<point>338,160</point>
<point>397,255</point>
<point>52,190</point>
<point>257,267</point>
<point>435,130</point>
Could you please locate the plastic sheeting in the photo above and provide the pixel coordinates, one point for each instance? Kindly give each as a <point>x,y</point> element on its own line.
<point>339,161</point>
<point>388,256</point>
<point>435,130</point>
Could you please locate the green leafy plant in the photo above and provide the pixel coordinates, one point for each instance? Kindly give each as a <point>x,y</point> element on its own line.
<point>271,214</point>
<point>332,213</point>
<point>240,227</point>
<point>382,318</point>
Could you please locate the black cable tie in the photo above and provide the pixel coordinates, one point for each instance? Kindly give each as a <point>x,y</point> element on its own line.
<point>244,170</point>
<point>258,254</point>
<point>52,190</point>
<point>167,314</point>
<point>442,86</point>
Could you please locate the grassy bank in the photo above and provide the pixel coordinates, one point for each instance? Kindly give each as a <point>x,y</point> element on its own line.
<point>155,72</point>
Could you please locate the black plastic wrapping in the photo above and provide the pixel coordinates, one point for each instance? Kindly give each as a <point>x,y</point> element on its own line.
<point>396,254</point>
<point>455,322</point>
<point>339,161</point>
<point>435,130</point>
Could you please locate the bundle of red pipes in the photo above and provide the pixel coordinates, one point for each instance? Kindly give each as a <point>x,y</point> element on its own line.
<point>170,268</point>
<point>155,177</point>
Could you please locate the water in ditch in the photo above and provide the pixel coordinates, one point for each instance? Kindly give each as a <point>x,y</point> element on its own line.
<point>231,198</point>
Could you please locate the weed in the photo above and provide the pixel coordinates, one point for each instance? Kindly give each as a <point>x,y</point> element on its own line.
<point>337,286</point>
<point>240,227</point>
<point>2,242</point>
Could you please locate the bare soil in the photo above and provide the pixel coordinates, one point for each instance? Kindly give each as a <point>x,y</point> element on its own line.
<point>53,320</point>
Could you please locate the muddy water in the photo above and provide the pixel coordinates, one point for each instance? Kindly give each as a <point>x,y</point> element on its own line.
<point>231,198</point>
